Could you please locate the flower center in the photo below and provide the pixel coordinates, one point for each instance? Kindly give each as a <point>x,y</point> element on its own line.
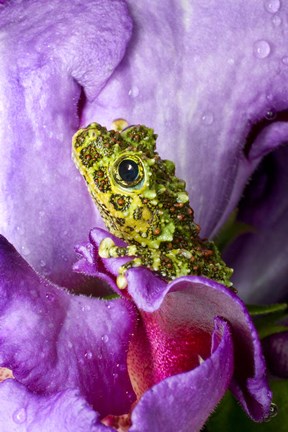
<point>162,348</point>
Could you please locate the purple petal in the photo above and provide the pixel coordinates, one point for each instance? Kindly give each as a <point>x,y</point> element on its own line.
<point>65,411</point>
<point>52,50</point>
<point>53,341</point>
<point>276,353</point>
<point>183,402</point>
<point>207,299</point>
<point>206,125</point>
<point>92,265</point>
<point>260,257</point>
<point>212,81</point>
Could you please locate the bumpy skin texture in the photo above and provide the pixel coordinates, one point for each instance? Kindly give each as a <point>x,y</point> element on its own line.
<point>143,202</point>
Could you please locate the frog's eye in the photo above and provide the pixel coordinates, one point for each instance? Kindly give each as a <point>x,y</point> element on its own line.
<point>128,172</point>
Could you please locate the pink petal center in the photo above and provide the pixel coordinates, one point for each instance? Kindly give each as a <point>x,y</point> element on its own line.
<point>161,348</point>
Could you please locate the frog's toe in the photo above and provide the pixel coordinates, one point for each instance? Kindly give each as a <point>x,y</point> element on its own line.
<point>105,247</point>
<point>121,281</point>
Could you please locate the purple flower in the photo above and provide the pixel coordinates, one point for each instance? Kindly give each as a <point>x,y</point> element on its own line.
<point>211,81</point>
<point>178,345</point>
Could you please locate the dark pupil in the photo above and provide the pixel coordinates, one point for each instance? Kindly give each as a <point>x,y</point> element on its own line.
<point>128,170</point>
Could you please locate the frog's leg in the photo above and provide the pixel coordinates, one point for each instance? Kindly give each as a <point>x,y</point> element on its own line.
<point>143,257</point>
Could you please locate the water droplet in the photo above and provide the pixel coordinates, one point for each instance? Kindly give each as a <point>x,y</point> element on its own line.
<point>105,338</point>
<point>270,114</point>
<point>25,251</point>
<point>273,412</point>
<point>285,60</point>
<point>88,355</point>
<point>262,49</point>
<point>207,118</point>
<point>20,415</point>
<point>272,6</point>
<point>20,230</point>
<point>133,92</point>
<point>276,20</point>
<point>50,296</point>
<point>115,375</point>
<point>42,263</point>
<point>108,306</point>
<point>269,97</point>
<point>100,356</point>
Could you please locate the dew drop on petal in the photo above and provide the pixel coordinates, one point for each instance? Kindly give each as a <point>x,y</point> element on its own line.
<point>42,263</point>
<point>273,412</point>
<point>20,415</point>
<point>70,344</point>
<point>270,114</point>
<point>133,92</point>
<point>262,49</point>
<point>25,251</point>
<point>276,20</point>
<point>105,338</point>
<point>88,355</point>
<point>207,118</point>
<point>50,296</point>
<point>272,6</point>
<point>20,230</point>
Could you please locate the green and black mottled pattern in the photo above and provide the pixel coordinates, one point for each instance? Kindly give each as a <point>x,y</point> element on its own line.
<point>151,213</point>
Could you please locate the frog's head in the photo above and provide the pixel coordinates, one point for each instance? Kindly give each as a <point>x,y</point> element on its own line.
<point>127,178</point>
<point>111,161</point>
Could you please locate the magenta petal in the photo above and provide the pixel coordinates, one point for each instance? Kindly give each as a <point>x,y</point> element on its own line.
<point>65,411</point>
<point>183,402</point>
<point>53,340</point>
<point>51,52</point>
<point>197,301</point>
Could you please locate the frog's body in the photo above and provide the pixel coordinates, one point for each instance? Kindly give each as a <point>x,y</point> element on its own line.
<point>143,202</point>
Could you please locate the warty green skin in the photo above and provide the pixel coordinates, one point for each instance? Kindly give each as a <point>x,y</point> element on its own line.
<point>152,214</point>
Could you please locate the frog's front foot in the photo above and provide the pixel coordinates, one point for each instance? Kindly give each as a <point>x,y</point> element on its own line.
<point>108,249</point>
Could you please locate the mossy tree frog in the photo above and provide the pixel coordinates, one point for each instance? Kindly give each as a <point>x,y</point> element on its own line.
<point>145,204</point>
